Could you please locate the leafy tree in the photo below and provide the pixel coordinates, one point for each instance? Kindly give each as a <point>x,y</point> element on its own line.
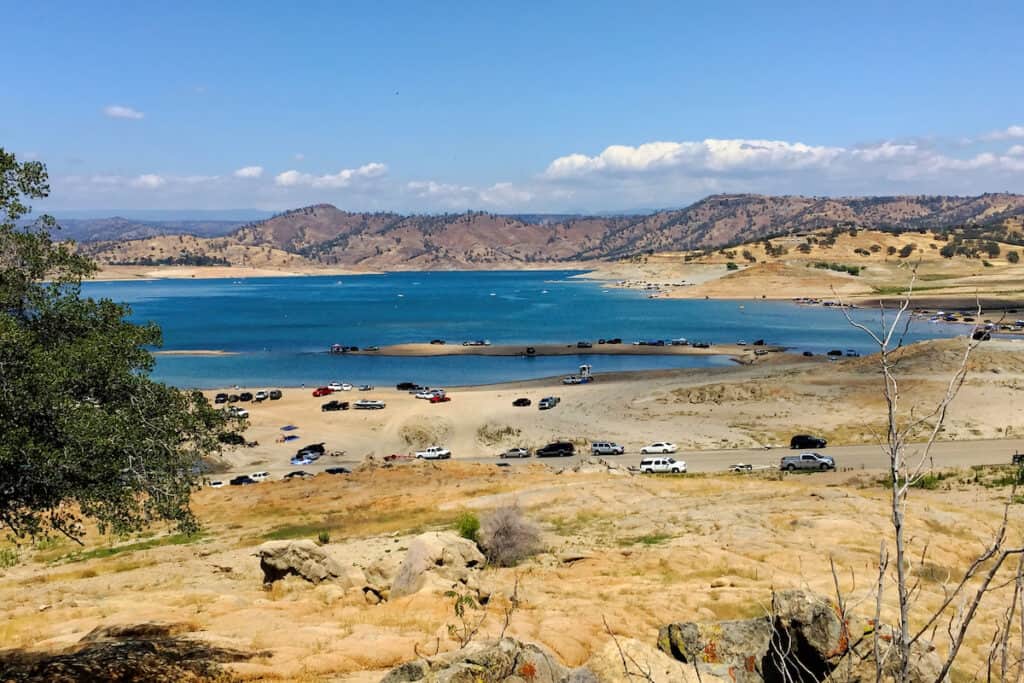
<point>1013,257</point>
<point>84,432</point>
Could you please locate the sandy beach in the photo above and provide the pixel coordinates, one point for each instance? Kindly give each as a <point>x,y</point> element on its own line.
<point>741,407</point>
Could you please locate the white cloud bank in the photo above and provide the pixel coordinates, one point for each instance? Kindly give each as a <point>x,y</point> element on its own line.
<point>249,172</point>
<point>342,178</point>
<point>117,111</point>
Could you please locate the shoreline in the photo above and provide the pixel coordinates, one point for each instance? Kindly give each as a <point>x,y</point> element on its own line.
<point>428,350</point>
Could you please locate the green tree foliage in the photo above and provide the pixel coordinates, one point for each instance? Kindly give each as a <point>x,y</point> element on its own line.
<point>84,432</point>
<point>1013,257</point>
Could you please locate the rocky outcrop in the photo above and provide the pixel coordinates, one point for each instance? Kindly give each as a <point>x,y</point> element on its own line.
<point>502,661</point>
<point>595,466</point>
<point>306,559</point>
<point>437,560</point>
<point>805,637</point>
<point>627,659</point>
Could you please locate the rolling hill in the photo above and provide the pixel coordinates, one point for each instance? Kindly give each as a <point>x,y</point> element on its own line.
<point>325,235</point>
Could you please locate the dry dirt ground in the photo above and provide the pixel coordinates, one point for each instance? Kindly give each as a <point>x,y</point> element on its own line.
<point>648,551</point>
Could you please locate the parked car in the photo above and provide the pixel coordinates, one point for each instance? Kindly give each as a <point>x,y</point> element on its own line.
<point>808,353</point>
<point>659,447</point>
<point>606,448</point>
<point>476,342</point>
<point>334,405</point>
<point>232,398</point>
<point>548,402</point>
<point>322,391</point>
<point>259,476</point>
<point>369,404</point>
<point>806,461</point>
<point>852,353</point>
<point>338,470</point>
<point>835,353</point>
<point>438,342</point>
<point>245,396</point>
<point>434,453</point>
<point>1017,459</point>
<point>405,386</point>
<point>366,387</point>
<point>261,396</point>
<point>298,474</point>
<point>807,441</point>
<point>371,348</point>
<point>216,484</point>
<point>302,460</point>
<point>220,398</point>
<point>584,345</point>
<point>556,449</point>
<point>338,386</point>
<point>242,480</point>
<point>515,453</point>
<point>275,394</point>
<point>614,340</point>
<point>521,402</point>
<point>235,411</point>
<point>662,465</point>
<point>741,467</point>
<point>440,398</point>
<point>317,448</point>
<point>428,394</point>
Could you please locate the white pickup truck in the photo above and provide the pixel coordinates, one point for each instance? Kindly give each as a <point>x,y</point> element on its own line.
<point>434,453</point>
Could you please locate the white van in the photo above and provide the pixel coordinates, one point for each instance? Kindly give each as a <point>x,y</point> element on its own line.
<point>654,465</point>
<point>259,476</point>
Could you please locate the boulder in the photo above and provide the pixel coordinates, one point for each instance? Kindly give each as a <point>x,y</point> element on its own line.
<point>305,559</point>
<point>726,649</point>
<point>630,659</point>
<point>438,560</point>
<point>805,638</point>
<point>502,661</point>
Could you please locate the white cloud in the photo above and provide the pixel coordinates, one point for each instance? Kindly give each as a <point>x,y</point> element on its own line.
<point>342,178</point>
<point>1008,133</point>
<point>249,172</point>
<point>1016,151</point>
<point>148,181</point>
<point>117,111</point>
<point>299,156</point>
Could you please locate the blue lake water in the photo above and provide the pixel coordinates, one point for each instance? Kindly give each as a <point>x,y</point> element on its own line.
<point>280,328</point>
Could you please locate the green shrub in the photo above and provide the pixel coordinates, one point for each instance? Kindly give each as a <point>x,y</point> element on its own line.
<point>8,557</point>
<point>731,266</point>
<point>323,537</point>
<point>468,526</point>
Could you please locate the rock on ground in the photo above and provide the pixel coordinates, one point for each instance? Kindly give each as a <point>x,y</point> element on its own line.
<point>306,559</point>
<point>437,560</point>
<point>503,661</point>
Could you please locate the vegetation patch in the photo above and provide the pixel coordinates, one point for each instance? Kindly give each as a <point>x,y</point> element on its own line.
<point>100,553</point>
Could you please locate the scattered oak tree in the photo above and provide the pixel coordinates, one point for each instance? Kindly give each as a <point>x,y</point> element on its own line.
<point>84,432</point>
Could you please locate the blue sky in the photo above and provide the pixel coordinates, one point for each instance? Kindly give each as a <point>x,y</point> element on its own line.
<point>509,107</point>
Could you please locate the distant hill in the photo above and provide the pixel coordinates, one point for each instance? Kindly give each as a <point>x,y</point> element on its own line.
<point>118,228</point>
<point>323,234</point>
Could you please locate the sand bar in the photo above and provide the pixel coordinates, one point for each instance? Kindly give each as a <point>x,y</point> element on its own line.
<point>426,349</point>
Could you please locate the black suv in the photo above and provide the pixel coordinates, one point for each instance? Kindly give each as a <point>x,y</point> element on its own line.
<point>242,480</point>
<point>334,405</point>
<point>275,394</point>
<point>807,441</point>
<point>556,449</point>
<point>220,398</point>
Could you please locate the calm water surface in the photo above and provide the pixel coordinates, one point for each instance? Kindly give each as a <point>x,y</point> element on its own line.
<point>281,327</point>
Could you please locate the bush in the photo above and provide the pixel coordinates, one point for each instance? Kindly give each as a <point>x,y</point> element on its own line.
<point>1012,257</point>
<point>468,526</point>
<point>8,558</point>
<point>324,537</point>
<point>907,250</point>
<point>731,266</point>
<point>508,538</point>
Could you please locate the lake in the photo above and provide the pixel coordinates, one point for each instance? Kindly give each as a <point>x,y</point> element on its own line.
<point>280,328</point>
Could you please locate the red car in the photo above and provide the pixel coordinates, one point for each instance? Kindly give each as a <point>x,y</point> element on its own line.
<point>322,391</point>
<point>440,398</point>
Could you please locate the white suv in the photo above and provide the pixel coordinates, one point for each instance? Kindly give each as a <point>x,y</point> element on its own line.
<point>655,465</point>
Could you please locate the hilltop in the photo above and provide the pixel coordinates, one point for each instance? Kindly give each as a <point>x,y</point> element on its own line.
<point>324,236</point>
<point>956,265</point>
